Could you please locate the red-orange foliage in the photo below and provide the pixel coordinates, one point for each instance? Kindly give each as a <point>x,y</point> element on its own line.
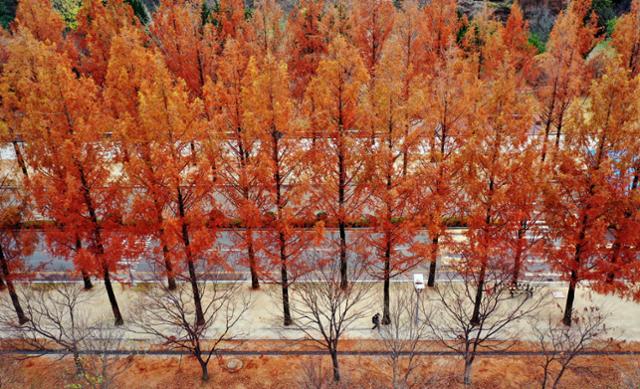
<point>399,119</point>
<point>497,164</point>
<point>392,174</point>
<point>305,44</point>
<point>593,174</point>
<point>268,114</point>
<point>564,69</point>
<point>335,101</point>
<point>98,23</point>
<point>72,182</point>
<point>189,45</point>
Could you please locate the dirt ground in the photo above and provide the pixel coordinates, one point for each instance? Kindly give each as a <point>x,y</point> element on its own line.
<point>314,372</point>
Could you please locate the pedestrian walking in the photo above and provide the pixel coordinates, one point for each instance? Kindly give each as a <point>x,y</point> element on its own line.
<point>376,321</point>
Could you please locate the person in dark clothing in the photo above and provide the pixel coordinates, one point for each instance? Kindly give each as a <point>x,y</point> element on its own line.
<point>376,321</point>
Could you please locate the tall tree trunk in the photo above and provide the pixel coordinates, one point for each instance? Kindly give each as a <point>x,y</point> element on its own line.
<point>341,222</point>
<point>88,202</point>
<point>12,291</point>
<point>571,293</point>
<point>284,279</point>
<point>573,280</point>
<point>197,300</point>
<point>475,318</point>
<point>558,134</point>
<point>344,279</point>
<point>193,278</point>
<point>20,158</point>
<point>431,281</point>
<point>86,280</point>
<point>112,297</point>
<point>255,283</point>
<point>282,239</point>
<point>386,314</point>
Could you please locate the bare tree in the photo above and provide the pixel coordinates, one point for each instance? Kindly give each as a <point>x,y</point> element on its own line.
<point>324,310</point>
<point>451,318</point>
<point>53,320</point>
<point>108,359</point>
<point>403,337</point>
<point>561,344</point>
<point>170,315</point>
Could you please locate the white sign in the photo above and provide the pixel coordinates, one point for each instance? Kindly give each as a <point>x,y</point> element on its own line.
<point>418,281</point>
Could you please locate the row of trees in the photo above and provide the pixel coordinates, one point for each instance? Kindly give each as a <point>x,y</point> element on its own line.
<point>401,119</point>
<point>323,311</point>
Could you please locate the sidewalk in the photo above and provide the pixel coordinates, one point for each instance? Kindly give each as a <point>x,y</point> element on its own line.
<point>263,320</point>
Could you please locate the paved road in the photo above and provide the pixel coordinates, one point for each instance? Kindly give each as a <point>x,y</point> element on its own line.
<point>53,268</point>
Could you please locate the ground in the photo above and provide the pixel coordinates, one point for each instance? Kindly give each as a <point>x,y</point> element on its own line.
<point>358,372</point>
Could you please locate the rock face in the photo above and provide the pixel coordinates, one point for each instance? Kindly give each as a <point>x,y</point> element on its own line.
<point>554,6</point>
<point>500,9</point>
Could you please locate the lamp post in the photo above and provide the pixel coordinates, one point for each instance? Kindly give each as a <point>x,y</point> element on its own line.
<point>418,284</point>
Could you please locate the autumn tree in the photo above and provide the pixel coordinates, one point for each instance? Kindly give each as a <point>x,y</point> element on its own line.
<point>335,99</point>
<point>45,25</point>
<point>373,21</point>
<point>447,115</point>
<point>170,121</point>
<point>623,219</point>
<point>515,36</point>
<point>230,16</point>
<point>72,183</point>
<point>507,47</point>
<point>13,106</point>
<point>284,177</point>
<point>98,23</point>
<point>565,71</point>
<point>497,160</point>
<point>39,17</point>
<point>626,38</point>
<point>438,28</point>
<point>239,166</point>
<point>130,65</point>
<point>392,171</point>
<point>588,182</point>
<point>188,41</point>
<point>305,43</point>
<point>267,27</point>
